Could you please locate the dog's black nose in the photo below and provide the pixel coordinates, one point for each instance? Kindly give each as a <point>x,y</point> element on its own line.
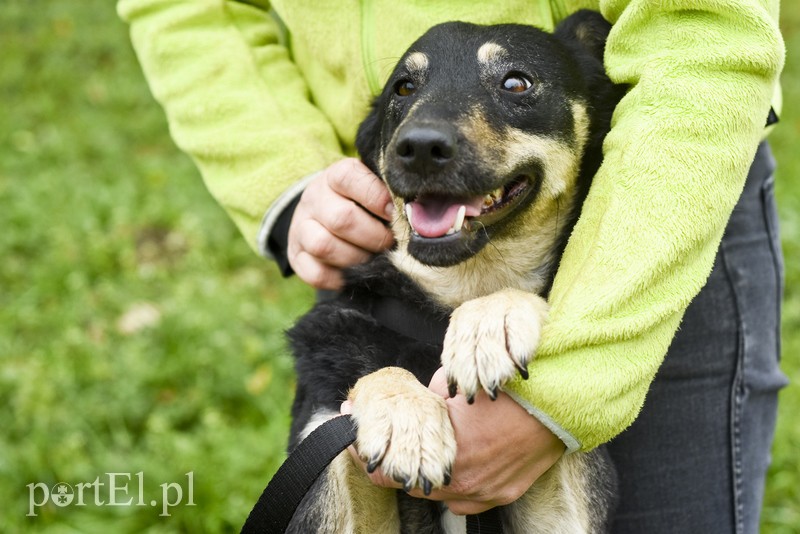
<point>426,149</point>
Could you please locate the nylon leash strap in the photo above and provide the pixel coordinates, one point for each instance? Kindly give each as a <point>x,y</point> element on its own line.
<point>276,506</point>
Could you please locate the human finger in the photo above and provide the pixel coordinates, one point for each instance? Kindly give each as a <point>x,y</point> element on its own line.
<point>352,179</point>
<point>315,273</point>
<point>320,243</point>
<point>347,220</point>
<point>469,507</point>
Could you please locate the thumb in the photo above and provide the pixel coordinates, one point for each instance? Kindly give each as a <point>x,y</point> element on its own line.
<point>438,383</point>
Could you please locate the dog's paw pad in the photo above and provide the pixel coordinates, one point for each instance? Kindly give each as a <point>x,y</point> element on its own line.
<point>490,339</point>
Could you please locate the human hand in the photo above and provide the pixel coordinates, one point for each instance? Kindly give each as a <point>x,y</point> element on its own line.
<point>337,223</point>
<point>501,451</point>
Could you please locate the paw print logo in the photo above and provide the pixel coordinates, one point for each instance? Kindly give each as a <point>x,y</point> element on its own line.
<point>62,494</point>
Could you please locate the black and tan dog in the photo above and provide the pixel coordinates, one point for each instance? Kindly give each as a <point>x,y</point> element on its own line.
<point>487,138</point>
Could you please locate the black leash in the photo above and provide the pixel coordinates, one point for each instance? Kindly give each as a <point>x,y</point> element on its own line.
<point>282,496</point>
<point>279,500</point>
<point>487,522</point>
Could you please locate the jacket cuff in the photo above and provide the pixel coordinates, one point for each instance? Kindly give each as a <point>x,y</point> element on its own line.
<point>570,441</point>
<point>273,234</point>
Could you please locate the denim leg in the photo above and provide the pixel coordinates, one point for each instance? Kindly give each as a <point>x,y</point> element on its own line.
<point>696,457</point>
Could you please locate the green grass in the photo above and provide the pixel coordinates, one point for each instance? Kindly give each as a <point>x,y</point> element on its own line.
<point>101,216</point>
<point>103,220</point>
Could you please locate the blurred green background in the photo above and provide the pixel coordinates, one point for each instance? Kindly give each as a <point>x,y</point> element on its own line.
<point>139,334</point>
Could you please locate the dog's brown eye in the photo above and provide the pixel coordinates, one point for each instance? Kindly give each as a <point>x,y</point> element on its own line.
<point>404,87</point>
<point>515,82</point>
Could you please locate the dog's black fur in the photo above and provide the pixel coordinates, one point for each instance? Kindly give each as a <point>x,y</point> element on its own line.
<point>340,341</point>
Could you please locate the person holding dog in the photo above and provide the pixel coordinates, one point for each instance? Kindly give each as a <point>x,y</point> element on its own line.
<point>679,225</point>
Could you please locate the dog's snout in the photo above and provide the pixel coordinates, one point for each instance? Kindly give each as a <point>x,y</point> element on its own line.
<point>425,149</point>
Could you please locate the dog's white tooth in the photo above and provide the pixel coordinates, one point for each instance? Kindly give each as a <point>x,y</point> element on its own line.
<point>462,211</point>
<point>451,231</point>
<point>409,214</point>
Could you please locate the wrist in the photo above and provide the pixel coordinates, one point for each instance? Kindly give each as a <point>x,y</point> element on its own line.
<point>570,442</point>
<point>273,234</point>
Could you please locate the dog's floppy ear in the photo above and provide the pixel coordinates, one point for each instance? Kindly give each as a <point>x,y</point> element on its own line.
<point>368,137</point>
<point>586,28</point>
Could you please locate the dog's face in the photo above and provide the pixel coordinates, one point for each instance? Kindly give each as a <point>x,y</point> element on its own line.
<point>480,135</point>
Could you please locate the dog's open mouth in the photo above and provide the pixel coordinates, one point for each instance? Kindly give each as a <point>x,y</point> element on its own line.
<point>434,216</point>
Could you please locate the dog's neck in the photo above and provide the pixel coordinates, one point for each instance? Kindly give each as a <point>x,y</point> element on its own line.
<point>487,272</point>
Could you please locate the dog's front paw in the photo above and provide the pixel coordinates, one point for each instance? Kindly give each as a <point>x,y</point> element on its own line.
<point>404,428</point>
<point>490,339</point>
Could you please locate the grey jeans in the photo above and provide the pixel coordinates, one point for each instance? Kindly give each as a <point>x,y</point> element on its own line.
<point>695,460</point>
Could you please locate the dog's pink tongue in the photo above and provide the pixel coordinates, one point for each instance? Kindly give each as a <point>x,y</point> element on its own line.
<point>433,216</point>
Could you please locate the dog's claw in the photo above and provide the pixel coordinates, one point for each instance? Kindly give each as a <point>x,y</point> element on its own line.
<point>493,393</point>
<point>447,478</point>
<point>471,398</point>
<point>426,486</point>
<point>372,465</point>
<point>523,371</point>
<point>407,486</point>
<point>452,389</point>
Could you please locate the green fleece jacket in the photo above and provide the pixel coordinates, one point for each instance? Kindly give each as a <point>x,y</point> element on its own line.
<point>262,101</point>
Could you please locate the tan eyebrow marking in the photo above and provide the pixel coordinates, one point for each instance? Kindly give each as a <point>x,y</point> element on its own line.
<point>417,61</point>
<point>489,52</point>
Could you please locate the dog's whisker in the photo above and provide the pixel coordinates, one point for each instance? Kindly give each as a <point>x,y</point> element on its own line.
<point>385,65</point>
<point>558,215</point>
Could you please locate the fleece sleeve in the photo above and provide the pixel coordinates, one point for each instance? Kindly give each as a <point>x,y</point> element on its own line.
<point>234,100</point>
<point>701,76</point>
